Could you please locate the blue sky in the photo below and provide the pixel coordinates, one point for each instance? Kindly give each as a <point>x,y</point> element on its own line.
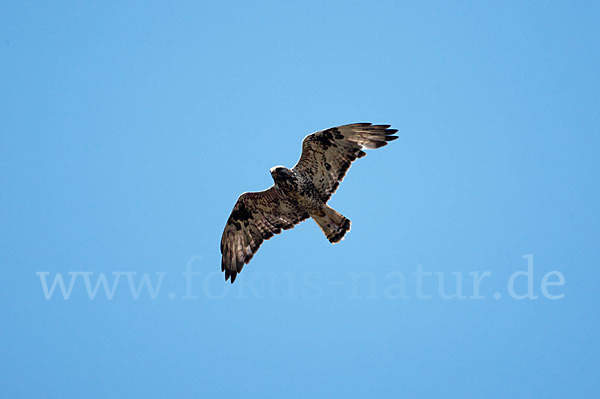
<point>130,128</point>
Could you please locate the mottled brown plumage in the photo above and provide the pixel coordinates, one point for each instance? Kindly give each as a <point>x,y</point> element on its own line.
<point>299,193</point>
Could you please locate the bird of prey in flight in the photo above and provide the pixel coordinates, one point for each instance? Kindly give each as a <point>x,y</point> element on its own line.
<point>299,193</point>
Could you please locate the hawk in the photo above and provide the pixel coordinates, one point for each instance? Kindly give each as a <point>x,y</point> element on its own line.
<point>299,193</point>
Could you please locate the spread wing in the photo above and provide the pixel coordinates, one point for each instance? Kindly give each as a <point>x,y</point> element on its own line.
<point>327,155</point>
<point>255,217</point>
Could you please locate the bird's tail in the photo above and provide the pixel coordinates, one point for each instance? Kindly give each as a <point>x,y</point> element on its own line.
<point>333,224</point>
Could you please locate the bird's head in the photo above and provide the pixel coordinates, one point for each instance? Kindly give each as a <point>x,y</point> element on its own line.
<point>280,174</point>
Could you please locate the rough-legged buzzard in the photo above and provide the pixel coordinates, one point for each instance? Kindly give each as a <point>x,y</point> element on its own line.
<point>299,193</point>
